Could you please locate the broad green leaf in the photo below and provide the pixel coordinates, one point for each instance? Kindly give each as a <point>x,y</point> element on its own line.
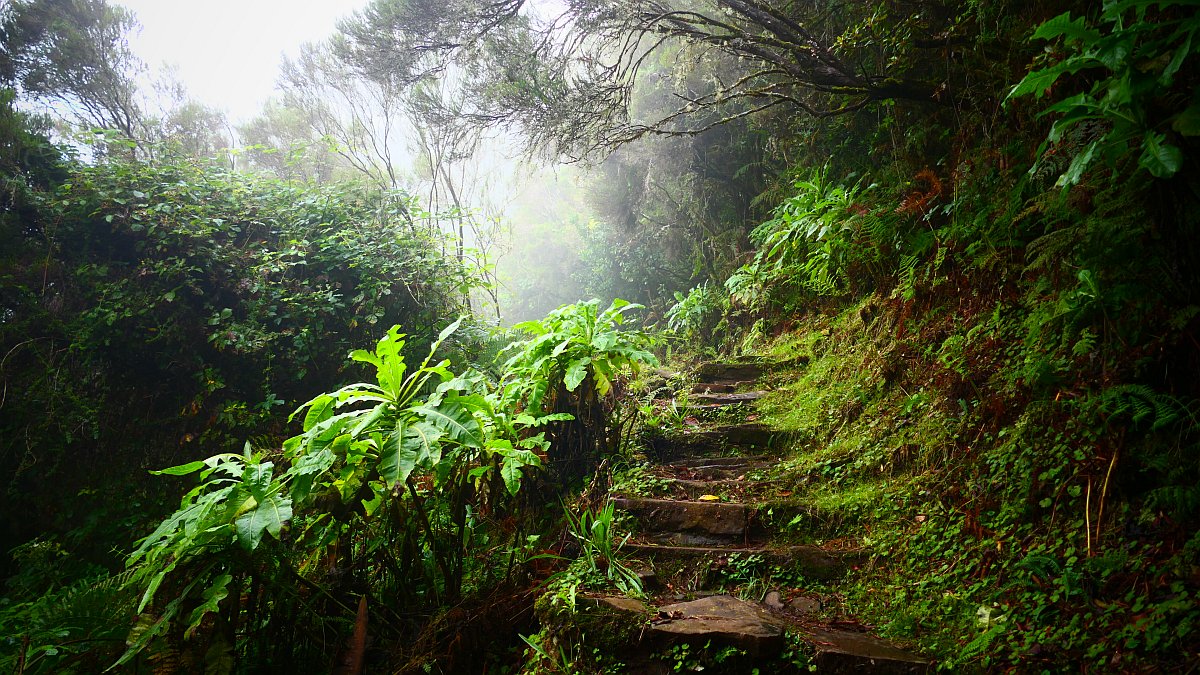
<point>1184,50</point>
<point>228,463</point>
<point>619,303</point>
<point>349,479</point>
<point>1079,165</point>
<point>561,347</point>
<point>425,440</point>
<point>605,341</point>
<point>1063,25</point>
<point>449,330</point>
<point>370,506</point>
<point>603,384</point>
<point>411,446</point>
<point>370,419</point>
<point>181,470</point>
<point>458,422</point>
<point>141,635</point>
<point>364,356</point>
<point>395,463</point>
<point>1114,51</point>
<point>1080,103</point>
<point>531,421</point>
<point>269,515</point>
<point>217,591</point>
<point>500,445</point>
<point>257,478</point>
<point>319,410</point>
<point>305,472</point>
<point>1161,159</point>
<point>391,376</point>
<point>511,473</point>
<point>1038,82</point>
<point>532,327</point>
<point>155,582</point>
<point>576,373</point>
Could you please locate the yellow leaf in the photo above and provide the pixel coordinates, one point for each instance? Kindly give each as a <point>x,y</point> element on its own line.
<point>709,498</point>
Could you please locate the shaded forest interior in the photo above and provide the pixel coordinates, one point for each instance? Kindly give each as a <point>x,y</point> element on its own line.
<point>321,391</point>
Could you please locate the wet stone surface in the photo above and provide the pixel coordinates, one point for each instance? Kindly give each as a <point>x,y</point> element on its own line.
<point>723,620</point>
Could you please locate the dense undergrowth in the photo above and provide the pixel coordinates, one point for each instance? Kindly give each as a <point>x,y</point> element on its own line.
<point>1001,403</point>
<point>998,405</point>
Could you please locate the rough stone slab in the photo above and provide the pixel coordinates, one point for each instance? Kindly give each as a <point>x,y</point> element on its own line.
<point>711,473</point>
<point>715,387</point>
<point>723,620</point>
<point>618,603</point>
<point>696,488</point>
<point>713,519</point>
<point>812,561</point>
<point>840,651</point>
<point>727,468</point>
<point>725,462</point>
<point>713,442</point>
<point>646,575</point>
<point>726,372</point>
<point>711,485</point>
<point>727,399</point>
<point>773,600</point>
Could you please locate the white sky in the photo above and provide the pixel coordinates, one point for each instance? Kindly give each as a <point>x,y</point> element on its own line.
<point>228,52</point>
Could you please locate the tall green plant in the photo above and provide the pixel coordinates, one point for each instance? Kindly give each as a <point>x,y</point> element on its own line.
<point>570,365</point>
<point>817,241</point>
<point>401,461</point>
<point>600,549</point>
<point>694,316</point>
<point>1135,56</point>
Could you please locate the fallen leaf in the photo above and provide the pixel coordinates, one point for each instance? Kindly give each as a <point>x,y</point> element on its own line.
<point>708,498</point>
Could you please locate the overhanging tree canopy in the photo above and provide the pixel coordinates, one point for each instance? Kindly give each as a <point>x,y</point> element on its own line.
<point>565,74</point>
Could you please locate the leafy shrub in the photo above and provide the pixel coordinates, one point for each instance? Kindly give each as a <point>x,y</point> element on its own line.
<point>1138,85</point>
<point>695,316</point>
<point>208,301</point>
<point>572,364</point>
<point>821,241</point>
<point>408,460</point>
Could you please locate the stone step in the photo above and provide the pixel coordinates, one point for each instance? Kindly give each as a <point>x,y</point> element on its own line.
<point>842,651</point>
<point>718,468</point>
<point>688,523</point>
<point>720,400</point>
<point>730,461</point>
<point>727,399</point>
<point>716,387</point>
<point>811,561</point>
<point>721,620</point>
<point>729,372</point>
<point>713,442</point>
<point>693,489</point>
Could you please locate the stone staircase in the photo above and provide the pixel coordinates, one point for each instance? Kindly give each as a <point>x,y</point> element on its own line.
<point>707,523</point>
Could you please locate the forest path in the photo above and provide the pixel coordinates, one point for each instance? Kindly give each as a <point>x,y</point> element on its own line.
<point>718,572</point>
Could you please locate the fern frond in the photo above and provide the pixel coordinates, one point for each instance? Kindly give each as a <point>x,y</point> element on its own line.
<point>1143,404</point>
<point>1047,250</point>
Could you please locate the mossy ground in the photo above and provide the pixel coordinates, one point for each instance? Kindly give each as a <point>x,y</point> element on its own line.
<point>983,541</point>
